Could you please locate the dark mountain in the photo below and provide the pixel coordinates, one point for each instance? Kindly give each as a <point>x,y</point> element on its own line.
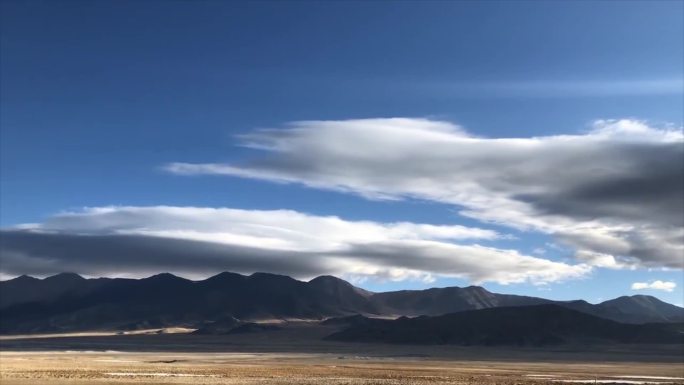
<point>68,302</point>
<point>633,308</point>
<point>168,300</point>
<point>438,301</point>
<point>346,298</point>
<point>231,325</point>
<point>21,289</point>
<point>220,326</point>
<point>520,326</point>
<point>349,320</point>
<point>253,327</point>
<point>28,289</point>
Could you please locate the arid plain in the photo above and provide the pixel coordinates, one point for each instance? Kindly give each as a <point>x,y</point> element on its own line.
<point>296,354</point>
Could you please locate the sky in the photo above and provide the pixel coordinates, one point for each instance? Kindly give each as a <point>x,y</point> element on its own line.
<point>530,147</point>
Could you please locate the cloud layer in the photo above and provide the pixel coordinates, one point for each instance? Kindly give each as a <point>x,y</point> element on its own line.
<point>613,194</point>
<point>196,241</point>
<point>655,285</point>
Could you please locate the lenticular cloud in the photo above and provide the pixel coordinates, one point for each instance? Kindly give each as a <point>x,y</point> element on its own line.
<point>194,241</point>
<point>613,194</point>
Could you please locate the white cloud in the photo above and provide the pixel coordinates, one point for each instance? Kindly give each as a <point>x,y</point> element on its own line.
<point>613,194</point>
<point>274,229</point>
<point>195,240</point>
<point>668,286</point>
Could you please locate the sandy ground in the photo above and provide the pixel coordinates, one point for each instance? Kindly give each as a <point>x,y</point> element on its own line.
<point>293,368</point>
<point>298,355</point>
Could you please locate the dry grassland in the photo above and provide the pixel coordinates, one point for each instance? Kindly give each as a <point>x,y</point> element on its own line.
<point>277,368</point>
<point>298,354</point>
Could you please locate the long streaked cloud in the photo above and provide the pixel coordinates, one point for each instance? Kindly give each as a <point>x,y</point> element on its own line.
<point>195,241</point>
<point>668,286</point>
<point>613,194</point>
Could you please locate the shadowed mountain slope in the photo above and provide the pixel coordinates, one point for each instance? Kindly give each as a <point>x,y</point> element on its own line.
<point>521,326</point>
<point>634,307</point>
<point>169,300</point>
<point>436,301</point>
<point>27,289</point>
<point>68,302</point>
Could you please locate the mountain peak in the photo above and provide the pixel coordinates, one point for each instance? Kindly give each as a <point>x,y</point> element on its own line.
<point>165,277</point>
<point>329,282</point>
<point>476,289</point>
<point>637,304</point>
<point>645,297</point>
<point>64,277</point>
<point>23,278</point>
<point>637,298</point>
<point>262,275</point>
<point>225,275</point>
<point>329,279</point>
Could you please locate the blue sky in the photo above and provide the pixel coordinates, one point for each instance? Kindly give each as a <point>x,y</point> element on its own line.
<point>98,98</point>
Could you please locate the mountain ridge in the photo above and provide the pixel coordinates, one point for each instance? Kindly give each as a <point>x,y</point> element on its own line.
<point>536,325</point>
<point>70,302</point>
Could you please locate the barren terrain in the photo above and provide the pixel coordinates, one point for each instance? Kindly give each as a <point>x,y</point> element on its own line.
<point>297,368</point>
<point>297,355</point>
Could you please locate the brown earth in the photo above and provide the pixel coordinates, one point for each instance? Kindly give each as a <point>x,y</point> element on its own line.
<point>297,355</point>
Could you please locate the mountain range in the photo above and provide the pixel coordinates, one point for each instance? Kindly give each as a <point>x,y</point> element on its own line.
<point>536,325</point>
<point>69,302</point>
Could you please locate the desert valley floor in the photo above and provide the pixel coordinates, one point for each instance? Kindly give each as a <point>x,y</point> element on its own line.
<point>296,354</point>
<point>297,368</point>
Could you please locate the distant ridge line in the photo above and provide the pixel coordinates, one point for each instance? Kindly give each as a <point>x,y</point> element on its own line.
<point>29,304</point>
